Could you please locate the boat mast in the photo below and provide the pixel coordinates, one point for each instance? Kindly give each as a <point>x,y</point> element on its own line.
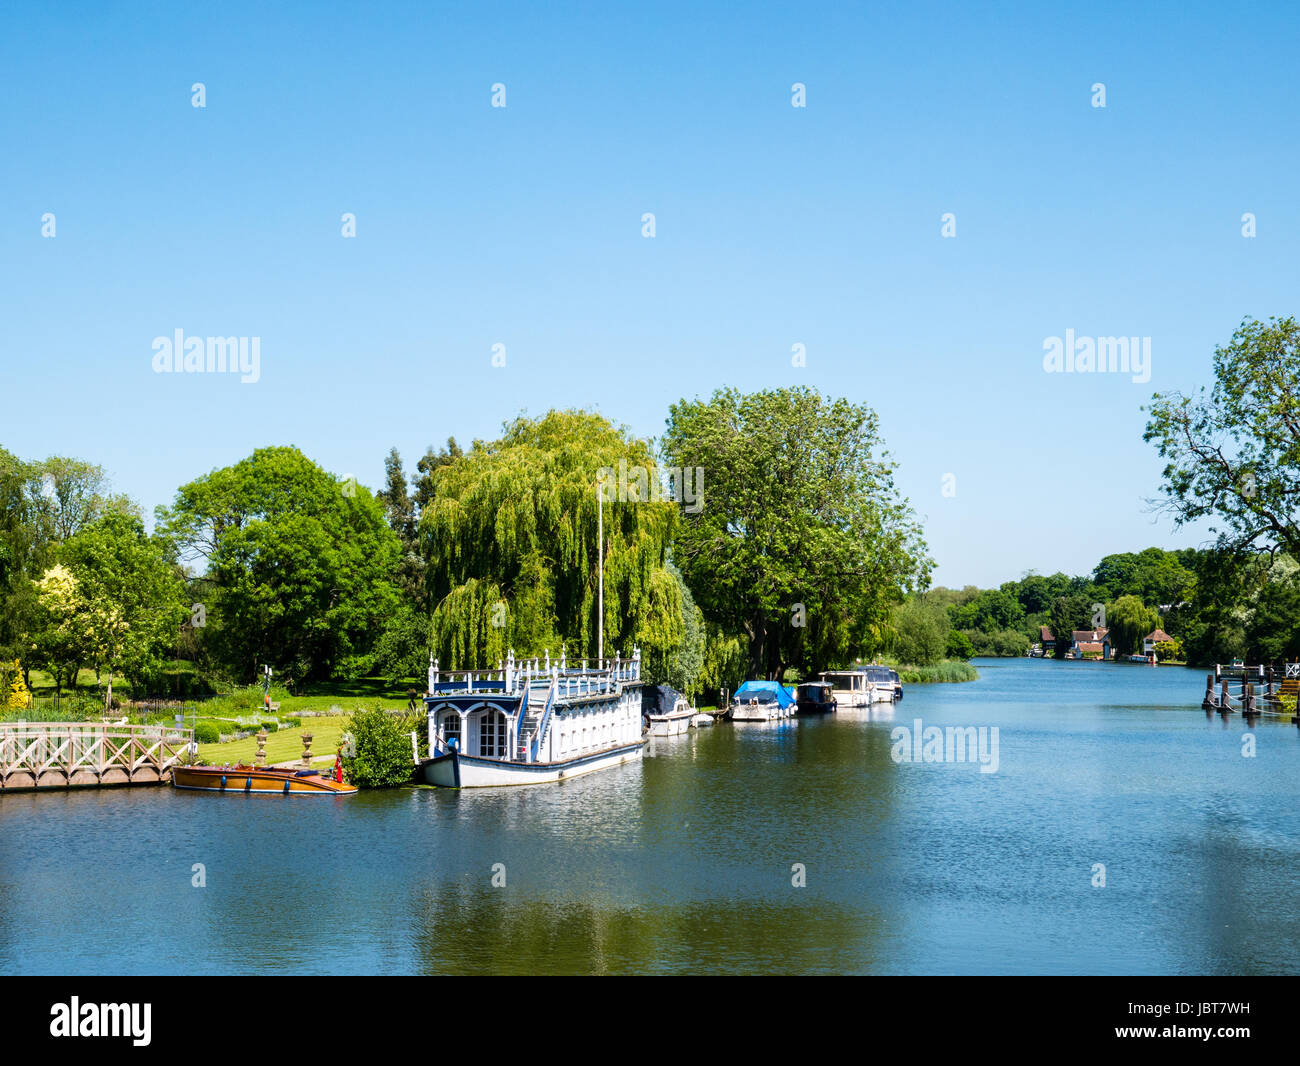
<point>600,570</point>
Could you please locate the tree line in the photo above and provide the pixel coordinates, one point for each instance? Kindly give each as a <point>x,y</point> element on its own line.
<point>792,552</point>
<point>799,554</point>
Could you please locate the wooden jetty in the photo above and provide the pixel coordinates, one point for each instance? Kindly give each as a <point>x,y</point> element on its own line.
<point>59,755</point>
<point>1249,702</point>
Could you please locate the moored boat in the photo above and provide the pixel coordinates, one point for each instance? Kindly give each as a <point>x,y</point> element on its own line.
<point>531,722</point>
<point>667,711</point>
<point>862,686</point>
<point>259,780</point>
<point>815,697</point>
<point>761,701</point>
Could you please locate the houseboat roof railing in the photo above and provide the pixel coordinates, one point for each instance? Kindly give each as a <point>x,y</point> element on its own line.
<point>514,675</point>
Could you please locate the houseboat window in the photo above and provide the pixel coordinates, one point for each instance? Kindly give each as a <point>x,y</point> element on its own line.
<point>492,735</point>
<point>451,728</point>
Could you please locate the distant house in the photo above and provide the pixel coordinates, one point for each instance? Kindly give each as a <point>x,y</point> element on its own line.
<point>1156,636</point>
<point>1091,644</point>
<point>1046,639</point>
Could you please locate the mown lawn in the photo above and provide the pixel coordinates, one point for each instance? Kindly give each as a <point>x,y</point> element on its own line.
<point>284,745</point>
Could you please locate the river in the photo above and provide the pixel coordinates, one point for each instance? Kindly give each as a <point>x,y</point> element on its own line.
<point>801,846</point>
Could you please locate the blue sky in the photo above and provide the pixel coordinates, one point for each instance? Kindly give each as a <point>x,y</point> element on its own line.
<point>521,226</point>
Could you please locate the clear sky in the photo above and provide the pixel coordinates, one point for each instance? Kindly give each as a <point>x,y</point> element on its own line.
<point>775,225</point>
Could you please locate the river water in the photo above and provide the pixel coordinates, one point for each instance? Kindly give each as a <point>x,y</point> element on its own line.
<point>802,846</point>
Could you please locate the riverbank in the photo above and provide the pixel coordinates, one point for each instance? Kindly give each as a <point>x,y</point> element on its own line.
<point>946,672</point>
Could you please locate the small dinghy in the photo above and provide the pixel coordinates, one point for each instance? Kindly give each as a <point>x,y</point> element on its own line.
<point>264,780</point>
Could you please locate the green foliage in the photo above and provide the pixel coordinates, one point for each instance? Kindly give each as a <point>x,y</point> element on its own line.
<point>1129,620</point>
<point>510,536</point>
<point>299,564</point>
<point>1066,614</point>
<point>726,661</point>
<point>677,653</point>
<point>402,650</point>
<point>990,610</point>
<point>921,633</point>
<point>129,593</point>
<point>1167,649</point>
<point>206,732</point>
<point>1154,576</point>
<point>943,672</point>
<point>801,542</point>
<point>1002,643</point>
<point>959,646</point>
<point>1233,456</point>
<point>383,749</point>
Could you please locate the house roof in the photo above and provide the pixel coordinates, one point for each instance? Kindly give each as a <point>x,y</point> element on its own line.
<point>1096,646</point>
<point>1157,635</point>
<point>1090,635</point>
<point>1045,634</point>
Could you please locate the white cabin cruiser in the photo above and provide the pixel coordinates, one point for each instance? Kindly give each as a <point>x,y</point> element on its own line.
<point>762,701</point>
<point>864,685</point>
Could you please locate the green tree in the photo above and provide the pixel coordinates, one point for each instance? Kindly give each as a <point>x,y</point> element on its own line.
<point>1129,620</point>
<point>801,542</point>
<point>132,592</point>
<point>1234,454</point>
<point>511,535</point>
<point>402,650</point>
<point>959,646</point>
<point>62,639</point>
<point>922,633</point>
<point>299,565</point>
<point>428,465</point>
<point>1068,613</point>
<point>401,512</point>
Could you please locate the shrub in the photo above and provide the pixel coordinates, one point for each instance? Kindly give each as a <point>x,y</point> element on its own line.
<point>206,733</point>
<point>959,646</point>
<point>939,672</point>
<point>383,750</point>
<point>922,633</point>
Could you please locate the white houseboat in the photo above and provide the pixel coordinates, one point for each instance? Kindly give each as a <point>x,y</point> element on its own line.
<point>531,721</point>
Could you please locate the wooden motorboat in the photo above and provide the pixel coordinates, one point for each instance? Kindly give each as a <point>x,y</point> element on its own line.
<point>265,780</point>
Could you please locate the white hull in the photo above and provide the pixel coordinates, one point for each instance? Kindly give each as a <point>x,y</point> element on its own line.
<point>761,713</point>
<point>702,721</point>
<point>671,725</point>
<point>466,771</point>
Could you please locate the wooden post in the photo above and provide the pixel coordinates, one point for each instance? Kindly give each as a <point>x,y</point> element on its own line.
<point>1208,703</point>
<point>1225,701</point>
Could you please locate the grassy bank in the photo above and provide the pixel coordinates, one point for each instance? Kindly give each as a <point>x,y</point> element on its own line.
<point>284,745</point>
<point>950,670</point>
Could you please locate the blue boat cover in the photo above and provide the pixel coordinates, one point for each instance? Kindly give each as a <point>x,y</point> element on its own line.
<point>765,692</point>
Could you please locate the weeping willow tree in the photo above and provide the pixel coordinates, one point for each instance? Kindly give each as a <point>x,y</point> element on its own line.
<point>510,537</point>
